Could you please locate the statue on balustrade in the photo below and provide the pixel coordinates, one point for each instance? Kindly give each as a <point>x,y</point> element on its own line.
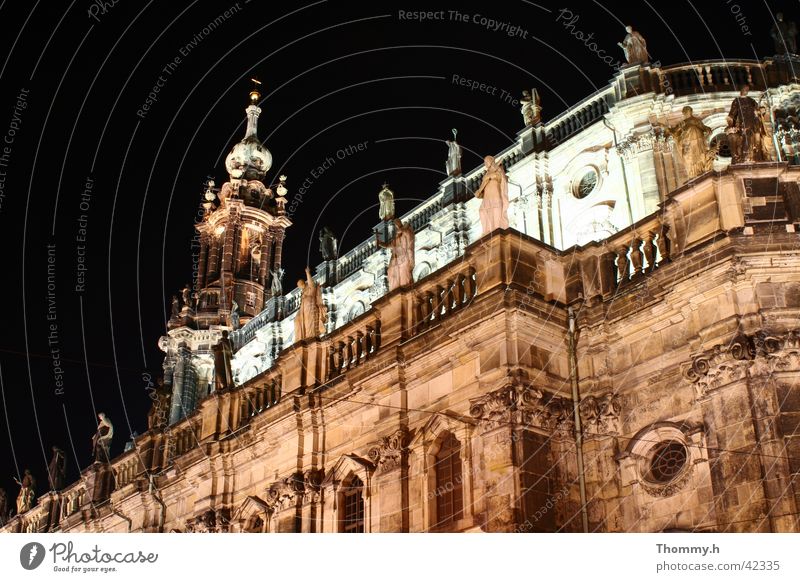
<point>531,107</point>
<point>453,165</point>
<point>493,193</point>
<point>401,265</point>
<point>276,286</point>
<point>634,47</point>
<point>101,441</point>
<point>784,35</point>
<point>223,354</point>
<point>746,121</point>
<point>312,313</point>
<point>386,199</point>
<point>57,469</point>
<point>176,307</point>
<point>690,136</point>
<point>328,245</point>
<point>27,492</point>
<point>186,297</point>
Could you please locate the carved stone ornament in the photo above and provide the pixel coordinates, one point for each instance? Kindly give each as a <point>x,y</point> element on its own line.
<point>283,493</point>
<point>519,403</point>
<point>762,353</point>
<point>671,488</point>
<point>600,414</point>
<point>387,454</point>
<point>313,483</point>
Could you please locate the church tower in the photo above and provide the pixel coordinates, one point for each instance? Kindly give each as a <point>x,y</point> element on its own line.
<point>241,237</point>
<point>240,245</point>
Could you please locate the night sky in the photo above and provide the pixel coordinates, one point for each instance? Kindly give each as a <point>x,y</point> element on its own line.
<point>98,176</point>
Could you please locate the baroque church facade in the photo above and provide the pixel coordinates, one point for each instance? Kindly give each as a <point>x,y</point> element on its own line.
<point>624,356</point>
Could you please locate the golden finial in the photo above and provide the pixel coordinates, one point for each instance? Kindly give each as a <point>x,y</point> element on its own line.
<point>255,95</point>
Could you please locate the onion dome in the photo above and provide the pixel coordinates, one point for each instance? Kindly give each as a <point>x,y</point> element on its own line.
<point>249,159</point>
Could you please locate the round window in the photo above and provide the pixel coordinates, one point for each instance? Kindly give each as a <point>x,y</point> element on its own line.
<point>586,184</point>
<point>667,461</point>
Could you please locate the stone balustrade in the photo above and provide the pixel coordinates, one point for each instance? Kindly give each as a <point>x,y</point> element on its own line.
<point>438,299</point>
<point>353,347</point>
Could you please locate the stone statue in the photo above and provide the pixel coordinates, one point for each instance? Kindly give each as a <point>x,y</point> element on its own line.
<point>386,198</point>
<point>784,35</point>
<point>328,245</point>
<point>690,135</point>
<point>634,47</point>
<point>176,307</point>
<point>27,492</point>
<point>312,313</point>
<point>401,265</point>
<point>453,157</point>
<point>101,441</point>
<point>493,193</point>
<point>186,296</point>
<point>57,470</point>
<point>234,316</point>
<point>277,286</point>
<point>746,120</point>
<point>223,353</point>
<point>3,507</point>
<point>531,107</point>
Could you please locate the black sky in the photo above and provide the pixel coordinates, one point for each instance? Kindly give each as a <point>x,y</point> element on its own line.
<point>335,74</point>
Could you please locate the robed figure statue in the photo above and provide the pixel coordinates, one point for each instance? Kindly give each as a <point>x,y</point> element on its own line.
<point>101,441</point>
<point>745,119</point>
<point>690,135</point>
<point>401,264</point>
<point>223,353</point>
<point>493,193</point>
<point>312,313</point>
<point>27,492</point>
<point>634,47</point>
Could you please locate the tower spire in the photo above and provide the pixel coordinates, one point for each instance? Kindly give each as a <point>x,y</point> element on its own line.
<point>253,110</point>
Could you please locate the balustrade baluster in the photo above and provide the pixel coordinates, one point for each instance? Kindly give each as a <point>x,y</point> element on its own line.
<point>636,257</point>
<point>621,263</point>
<point>648,251</point>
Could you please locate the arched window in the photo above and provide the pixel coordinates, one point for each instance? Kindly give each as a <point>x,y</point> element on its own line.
<point>353,507</point>
<point>449,482</point>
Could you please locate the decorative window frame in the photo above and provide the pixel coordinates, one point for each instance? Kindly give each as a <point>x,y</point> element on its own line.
<point>245,516</point>
<point>635,460</point>
<point>424,448</point>
<point>333,486</point>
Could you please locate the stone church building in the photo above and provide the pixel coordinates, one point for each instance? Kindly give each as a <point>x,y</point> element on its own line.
<point>624,357</point>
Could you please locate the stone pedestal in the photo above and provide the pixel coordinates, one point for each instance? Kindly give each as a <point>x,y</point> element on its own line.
<point>99,482</point>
